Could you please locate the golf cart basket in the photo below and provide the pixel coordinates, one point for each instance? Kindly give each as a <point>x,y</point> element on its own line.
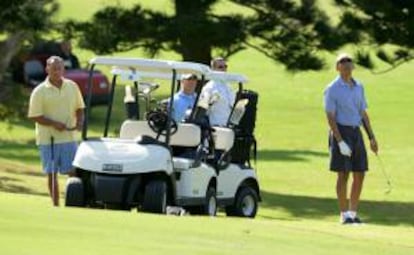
<point>245,142</point>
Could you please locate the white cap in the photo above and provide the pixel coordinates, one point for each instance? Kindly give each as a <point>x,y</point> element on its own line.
<point>189,76</point>
<point>342,56</point>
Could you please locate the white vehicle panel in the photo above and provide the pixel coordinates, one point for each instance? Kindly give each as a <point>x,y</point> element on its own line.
<point>230,179</point>
<point>187,135</point>
<point>117,156</point>
<point>151,65</point>
<point>225,76</point>
<point>193,182</point>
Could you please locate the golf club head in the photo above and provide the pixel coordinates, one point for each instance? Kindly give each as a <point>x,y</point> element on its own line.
<point>129,98</point>
<point>203,102</point>
<point>208,99</point>
<point>215,96</point>
<point>146,88</point>
<point>238,111</point>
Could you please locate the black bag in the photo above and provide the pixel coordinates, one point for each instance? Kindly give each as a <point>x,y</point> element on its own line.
<point>248,121</point>
<point>243,148</point>
<point>244,141</point>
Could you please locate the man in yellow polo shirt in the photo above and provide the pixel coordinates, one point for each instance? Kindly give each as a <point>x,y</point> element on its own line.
<point>56,106</point>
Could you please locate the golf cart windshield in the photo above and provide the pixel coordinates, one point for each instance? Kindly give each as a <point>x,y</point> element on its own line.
<point>136,70</point>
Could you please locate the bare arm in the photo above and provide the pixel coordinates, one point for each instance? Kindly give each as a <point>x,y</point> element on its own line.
<point>368,129</point>
<point>79,118</point>
<point>367,125</point>
<point>334,126</point>
<point>48,122</point>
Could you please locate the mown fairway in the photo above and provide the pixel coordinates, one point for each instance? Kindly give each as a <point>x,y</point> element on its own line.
<point>30,226</point>
<point>298,214</point>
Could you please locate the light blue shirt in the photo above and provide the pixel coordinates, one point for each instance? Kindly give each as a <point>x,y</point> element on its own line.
<point>182,102</point>
<point>346,102</point>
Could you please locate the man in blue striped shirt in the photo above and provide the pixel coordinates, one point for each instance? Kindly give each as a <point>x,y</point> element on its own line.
<point>345,106</point>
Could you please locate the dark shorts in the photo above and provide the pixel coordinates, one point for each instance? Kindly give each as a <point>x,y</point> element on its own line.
<point>358,161</point>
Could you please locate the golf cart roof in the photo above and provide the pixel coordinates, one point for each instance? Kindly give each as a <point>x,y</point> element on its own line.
<point>137,75</point>
<point>225,76</point>
<point>151,65</point>
<point>136,69</point>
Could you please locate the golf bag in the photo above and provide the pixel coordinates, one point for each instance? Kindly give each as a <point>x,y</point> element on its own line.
<point>245,142</point>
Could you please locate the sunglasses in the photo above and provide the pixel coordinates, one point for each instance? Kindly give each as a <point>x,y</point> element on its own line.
<point>345,60</point>
<point>222,66</point>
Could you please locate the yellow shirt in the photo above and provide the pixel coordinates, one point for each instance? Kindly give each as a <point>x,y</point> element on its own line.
<point>58,105</point>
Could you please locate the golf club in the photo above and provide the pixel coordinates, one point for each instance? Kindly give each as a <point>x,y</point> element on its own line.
<point>52,156</point>
<point>384,172</point>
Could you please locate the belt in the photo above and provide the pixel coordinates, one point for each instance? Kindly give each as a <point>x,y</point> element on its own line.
<point>347,127</point>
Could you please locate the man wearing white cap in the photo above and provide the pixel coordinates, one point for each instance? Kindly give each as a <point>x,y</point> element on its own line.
<point>345,106</point>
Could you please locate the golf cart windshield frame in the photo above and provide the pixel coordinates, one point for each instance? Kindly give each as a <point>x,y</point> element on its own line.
<point>141,68</point>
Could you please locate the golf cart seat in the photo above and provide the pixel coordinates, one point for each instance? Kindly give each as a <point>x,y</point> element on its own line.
<point>223,138</point>
<point>187,135</point>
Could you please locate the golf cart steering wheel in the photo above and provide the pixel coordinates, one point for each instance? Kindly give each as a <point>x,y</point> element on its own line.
<point>157,121</point>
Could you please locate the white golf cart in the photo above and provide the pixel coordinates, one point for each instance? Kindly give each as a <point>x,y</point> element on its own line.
<point>142,168</point>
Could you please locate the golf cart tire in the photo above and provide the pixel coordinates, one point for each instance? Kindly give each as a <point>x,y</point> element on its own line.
<point>74,195</point>
<point>210,204</point>
<point>245,203</point>
<point>155,197</point>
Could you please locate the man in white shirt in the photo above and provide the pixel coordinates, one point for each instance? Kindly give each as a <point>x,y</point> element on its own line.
<point>219,95</point>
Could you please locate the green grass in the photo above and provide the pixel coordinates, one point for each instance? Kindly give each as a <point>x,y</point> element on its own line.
<point>298,213</point>
<point>48,230</point>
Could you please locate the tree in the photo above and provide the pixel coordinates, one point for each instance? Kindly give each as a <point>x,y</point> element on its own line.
<point>20,20</point>
<point>193,31</point>
<point>287,31</point>
<point>384,23</point>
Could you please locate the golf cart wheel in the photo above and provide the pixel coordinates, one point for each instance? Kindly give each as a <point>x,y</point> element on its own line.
<point>210,204</point>
<point>74,195</point>
<point>210,208</point>
<point>155,197</point>
<point>245,204</point>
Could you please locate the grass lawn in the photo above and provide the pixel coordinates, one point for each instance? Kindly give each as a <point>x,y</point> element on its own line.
<point>31,221</point>
<point>298,214</point>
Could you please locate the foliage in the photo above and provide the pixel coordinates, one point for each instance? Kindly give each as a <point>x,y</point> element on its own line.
<point>285,31</point>
<point>27,15</point>
<point>21,21</point>
<point>13,101</point>
<point>384,23</point>
<point>292,33</point>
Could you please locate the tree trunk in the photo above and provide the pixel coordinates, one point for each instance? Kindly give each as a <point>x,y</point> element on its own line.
<point>191,16</point>
<point>8,48</point>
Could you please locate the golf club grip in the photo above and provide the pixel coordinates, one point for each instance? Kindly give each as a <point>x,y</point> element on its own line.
<point>52,145</point>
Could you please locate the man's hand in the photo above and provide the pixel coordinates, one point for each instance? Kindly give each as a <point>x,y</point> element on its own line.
<point>79,126</point>
<point>374,145</point>
<point>59,126</point>
<point>344,149</point>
